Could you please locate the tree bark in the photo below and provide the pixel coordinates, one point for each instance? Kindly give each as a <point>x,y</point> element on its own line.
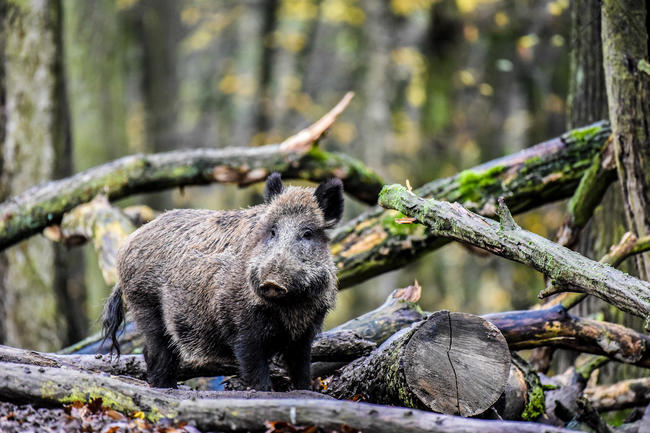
<point>569,269</point>
<point>625,43</point>
<point>453,363</point>
<point>38,311</point>
<point>19,383</point>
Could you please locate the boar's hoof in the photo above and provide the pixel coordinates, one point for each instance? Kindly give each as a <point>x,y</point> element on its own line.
<point>271,290</point>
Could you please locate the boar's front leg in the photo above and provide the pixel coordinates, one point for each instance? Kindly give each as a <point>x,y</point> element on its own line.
<point>297,356</point>
<point>253,360</point>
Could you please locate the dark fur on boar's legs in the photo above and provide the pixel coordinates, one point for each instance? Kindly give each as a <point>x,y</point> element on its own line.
<point>250,283</point>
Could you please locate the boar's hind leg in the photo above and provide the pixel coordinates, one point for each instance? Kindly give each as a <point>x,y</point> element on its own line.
<point>159,354</point>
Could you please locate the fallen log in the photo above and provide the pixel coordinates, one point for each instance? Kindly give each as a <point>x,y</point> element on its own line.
<point>373,243</point>
<point>215,411</point>
<point>621,395</point>
<point>453,363</point>
<point>569,270</point>
<point>43,205</point>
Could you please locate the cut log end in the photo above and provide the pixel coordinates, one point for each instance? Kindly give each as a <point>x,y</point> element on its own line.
<point>457,363</point>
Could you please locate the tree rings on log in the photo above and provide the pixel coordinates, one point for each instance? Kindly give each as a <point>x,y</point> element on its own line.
<point>457,363</point>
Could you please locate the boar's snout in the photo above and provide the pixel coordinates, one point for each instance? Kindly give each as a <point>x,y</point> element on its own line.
<point>272,290</point>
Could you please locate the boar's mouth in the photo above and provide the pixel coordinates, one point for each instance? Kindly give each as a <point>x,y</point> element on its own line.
<point>272,290</point>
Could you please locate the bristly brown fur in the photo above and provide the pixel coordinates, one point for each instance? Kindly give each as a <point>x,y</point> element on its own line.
<point>249,283</point>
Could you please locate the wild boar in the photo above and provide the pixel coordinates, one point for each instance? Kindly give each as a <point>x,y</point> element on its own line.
<point>247,283</point>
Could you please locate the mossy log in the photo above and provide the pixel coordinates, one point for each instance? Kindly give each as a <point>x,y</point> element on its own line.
<point>374,243</point>
<point>569,270</point>
<point>296,157</point>
<point>228,411</point>
<point>452,363</point>
<point>621,395</point>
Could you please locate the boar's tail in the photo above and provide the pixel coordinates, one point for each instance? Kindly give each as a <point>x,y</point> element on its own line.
<point>113,317</point>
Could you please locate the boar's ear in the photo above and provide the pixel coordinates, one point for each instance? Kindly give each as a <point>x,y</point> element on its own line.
<point>274,187</point>
<point>329,196</point>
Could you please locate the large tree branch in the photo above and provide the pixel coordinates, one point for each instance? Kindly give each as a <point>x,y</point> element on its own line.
<point>567,268</point>
<point>374,243</point>
<point>45,204</point>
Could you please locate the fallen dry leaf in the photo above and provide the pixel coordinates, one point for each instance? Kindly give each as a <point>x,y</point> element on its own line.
<point>404,220</point>
<point>115,415</point>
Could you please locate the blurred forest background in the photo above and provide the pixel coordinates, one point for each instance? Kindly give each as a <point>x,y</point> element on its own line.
<point>441,85</point>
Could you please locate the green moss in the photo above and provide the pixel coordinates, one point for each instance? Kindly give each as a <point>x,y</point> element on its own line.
<point>536,404</point>
<point>533,160</point>
<point>472,183</point>
<point>115,400</point>
<point>585,134</point>
<point>318,154</point>
<point>395,229</point>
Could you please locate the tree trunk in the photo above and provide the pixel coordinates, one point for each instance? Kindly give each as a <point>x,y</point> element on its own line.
<point>37,312</point>
<point>625,43</point>
<point>453,363</point>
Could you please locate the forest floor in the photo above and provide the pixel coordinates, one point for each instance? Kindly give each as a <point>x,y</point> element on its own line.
<point>94,417</point>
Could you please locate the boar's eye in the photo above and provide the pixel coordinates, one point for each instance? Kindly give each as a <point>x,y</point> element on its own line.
<point>272,233</point>
<point>307,234</point>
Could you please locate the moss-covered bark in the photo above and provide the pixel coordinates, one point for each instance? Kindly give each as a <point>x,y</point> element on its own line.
<point>567,268</point>
<point>374,243</point>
